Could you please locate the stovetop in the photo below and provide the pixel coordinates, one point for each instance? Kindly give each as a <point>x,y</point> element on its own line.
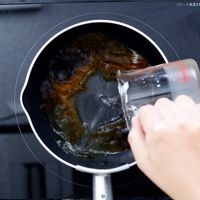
<point>27,170</point>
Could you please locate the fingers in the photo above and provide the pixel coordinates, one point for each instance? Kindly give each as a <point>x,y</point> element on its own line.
<point>187,105</point>
<point>149,117</point>
<point>181,109</point>
<point>171,114</point>
<point>167,109</point>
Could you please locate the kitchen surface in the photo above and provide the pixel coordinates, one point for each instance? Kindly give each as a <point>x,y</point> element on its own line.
<point>27,170</point>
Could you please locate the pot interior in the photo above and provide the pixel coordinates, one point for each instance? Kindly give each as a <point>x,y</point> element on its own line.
<point>98,90</point>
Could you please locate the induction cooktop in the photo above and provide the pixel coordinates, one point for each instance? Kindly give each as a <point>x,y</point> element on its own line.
<point>27,170</point>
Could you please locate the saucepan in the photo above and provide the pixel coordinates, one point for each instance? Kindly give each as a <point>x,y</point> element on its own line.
<point>71,100</point>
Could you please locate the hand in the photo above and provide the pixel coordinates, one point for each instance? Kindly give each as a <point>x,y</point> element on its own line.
<point>165,140</point>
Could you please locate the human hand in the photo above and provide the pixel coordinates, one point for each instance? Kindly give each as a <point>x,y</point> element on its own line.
<point>165,140</point>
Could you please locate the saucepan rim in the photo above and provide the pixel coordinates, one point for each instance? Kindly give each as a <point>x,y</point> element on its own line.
<point>78,167</point>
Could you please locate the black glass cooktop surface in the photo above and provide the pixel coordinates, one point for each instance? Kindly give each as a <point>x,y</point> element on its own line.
<point>27,170</point>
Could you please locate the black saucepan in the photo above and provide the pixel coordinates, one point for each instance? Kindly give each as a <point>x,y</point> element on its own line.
<point>103,164</point>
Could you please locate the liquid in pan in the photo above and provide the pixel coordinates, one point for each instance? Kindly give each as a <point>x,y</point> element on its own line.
<point>80,98</point>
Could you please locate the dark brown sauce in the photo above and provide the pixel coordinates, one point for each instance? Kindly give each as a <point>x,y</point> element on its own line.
<point>67,78</point>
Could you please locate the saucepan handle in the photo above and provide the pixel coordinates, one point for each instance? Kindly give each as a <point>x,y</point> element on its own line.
<point>102,188</point>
